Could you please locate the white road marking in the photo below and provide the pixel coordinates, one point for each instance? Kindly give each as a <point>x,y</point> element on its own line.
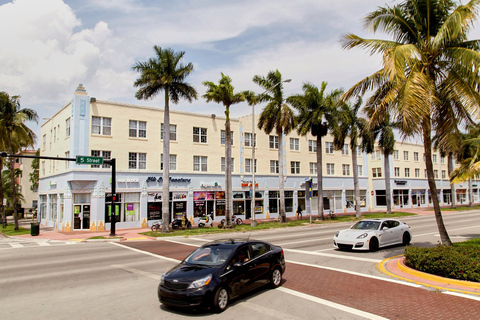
<point>332,255</point>
<point>462,295</point>
<point>145,252</point>
<point>448,230</point>
<point>16,245</point>
<point>137,271</point>
<point>330,304</point>
<point>44,244</point>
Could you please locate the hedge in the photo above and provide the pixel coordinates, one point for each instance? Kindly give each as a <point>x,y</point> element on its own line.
<point>462,263</point>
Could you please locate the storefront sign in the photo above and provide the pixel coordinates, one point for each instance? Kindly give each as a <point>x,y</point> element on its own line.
<point>400,182</point>
<point>127,180</point>
<point>210,185</point>
<point>160,179</point>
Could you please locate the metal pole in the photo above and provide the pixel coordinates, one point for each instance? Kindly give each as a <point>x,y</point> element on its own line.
<point>254,222</point>
<point>113,212</point>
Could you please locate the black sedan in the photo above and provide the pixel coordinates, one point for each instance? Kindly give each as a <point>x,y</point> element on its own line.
<point>221,270</point>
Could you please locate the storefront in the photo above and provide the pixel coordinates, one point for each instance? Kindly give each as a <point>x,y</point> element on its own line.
<point>177,205</point>
<point>418,197</point>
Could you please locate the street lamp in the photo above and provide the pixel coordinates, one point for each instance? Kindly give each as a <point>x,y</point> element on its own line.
<point>254,222</point>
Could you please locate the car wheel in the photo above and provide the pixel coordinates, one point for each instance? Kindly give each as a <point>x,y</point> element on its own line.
<point>276,278</point>
<point>373,244</point>
<point>406,239</point>
<point>220,300</point>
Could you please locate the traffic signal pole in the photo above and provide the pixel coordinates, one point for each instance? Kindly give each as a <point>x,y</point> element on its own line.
<point>114,198</point>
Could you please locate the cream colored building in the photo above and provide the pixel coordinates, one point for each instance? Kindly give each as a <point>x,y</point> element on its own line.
<point>30,197</point>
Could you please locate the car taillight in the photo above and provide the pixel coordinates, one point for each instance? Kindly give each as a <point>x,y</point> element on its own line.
<point>282,252</point>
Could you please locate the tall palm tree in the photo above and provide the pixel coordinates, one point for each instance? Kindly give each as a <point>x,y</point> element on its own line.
<point>224,93</point>
<point>428,62</point>
<point>278,117</point>
<point>316,115</point>
<point>17,135</point>
<point>381,127</point>
<point>351,125</point>
<point>165,72</point>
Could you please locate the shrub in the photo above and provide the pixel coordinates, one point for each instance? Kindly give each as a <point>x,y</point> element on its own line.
<point>458,262</point>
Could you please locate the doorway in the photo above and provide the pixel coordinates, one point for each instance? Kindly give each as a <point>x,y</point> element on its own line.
<point>81,217</point>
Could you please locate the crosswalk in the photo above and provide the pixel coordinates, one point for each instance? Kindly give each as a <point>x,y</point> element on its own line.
<point>8,243</point>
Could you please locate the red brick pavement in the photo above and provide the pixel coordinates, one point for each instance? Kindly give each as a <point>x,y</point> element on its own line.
<point>383,298</point>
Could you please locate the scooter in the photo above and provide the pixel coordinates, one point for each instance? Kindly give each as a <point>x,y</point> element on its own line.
<point>204,220</point>
<point>235,221</point>
<point>177,224</point>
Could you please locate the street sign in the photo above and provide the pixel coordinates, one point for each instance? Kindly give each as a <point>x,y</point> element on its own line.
<point>89,160</point>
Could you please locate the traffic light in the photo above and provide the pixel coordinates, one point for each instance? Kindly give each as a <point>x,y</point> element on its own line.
<point>114,197</point>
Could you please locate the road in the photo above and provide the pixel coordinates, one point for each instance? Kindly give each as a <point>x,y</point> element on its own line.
<point>104,280</point>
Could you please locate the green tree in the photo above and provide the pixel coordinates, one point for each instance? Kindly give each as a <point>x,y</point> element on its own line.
<point>165,72</point>
<point>224,93</point>
<point>7,187</point>
<point>351,125</point>
<point>276,116</point>
<point>16,134</point>
<point>34,175</point>
<point>431,67</point>
<point>317,111</point>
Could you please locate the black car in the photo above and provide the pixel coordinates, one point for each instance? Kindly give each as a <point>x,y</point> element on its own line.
<point>220,271</point>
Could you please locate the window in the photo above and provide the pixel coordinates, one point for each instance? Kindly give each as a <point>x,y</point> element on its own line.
<point>273,142</point>
<point>248,139</point>
<point>328,147</point>
<point>405,155</point>
<point>444,174</point>
<point>395,154</point>
<point>172,162</point>
<point>173,132</point>
<point>360,170</point>
<point>346,169</point>
<point>407,172</point>
<point>295,167</point>
<point>67,155</point>
<point>102,126</point>
<point>294,144</point>
<point>44,142</point>
<point>200,163</point>
<point>199,135</point>
<point>358,151</point>
<point>248,165</point>
<point>137,160</point>
<point>54,135</point>
<point>396,172</point>
<point>434,158</point>
<point>417,173</point>
<point>51,137</point>
<point>330,169</point>
<point>376,172</point>
<point>67,127</point>
<point>222,137</point>
<point>313,168</point>
<point>312,146</point>
<point>43,168</point>
<point>137,129</point>
<point>273,166</point>
<point>376,155</point>
<point>345,149</point>
<point>442,159</point>
<point>435,174</point>
<point>415,156</point>
<point>106,155</point>
<point>233,164</point>
<point>426,173</point>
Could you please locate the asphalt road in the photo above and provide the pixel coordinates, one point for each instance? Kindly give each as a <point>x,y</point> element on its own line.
<point>119,281</point>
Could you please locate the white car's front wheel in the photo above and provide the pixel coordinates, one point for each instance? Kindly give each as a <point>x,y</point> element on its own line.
<point>373,246</point>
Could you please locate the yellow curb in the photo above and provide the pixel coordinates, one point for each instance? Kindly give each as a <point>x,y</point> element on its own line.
<point>381,267</point>
<point>427,276</point>
<point>76,240</point>
<point>142,238</point>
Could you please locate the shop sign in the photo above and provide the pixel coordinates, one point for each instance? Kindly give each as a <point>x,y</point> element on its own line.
<point>127,180</point>
<point>210,185</point>
<point>400,182</point>
<point>248,184</point>
<point>160,179</point>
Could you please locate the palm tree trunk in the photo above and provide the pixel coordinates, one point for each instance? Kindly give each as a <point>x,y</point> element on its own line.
<point>470,193</point>
<point>12,177</point>
<point>166,166</point>
<point>453,196</point>
<point>427,145</point>
<point>355,182</point>
<point>1,192</point>
<point>320,177</point>
<point>228,170</point>
<point>388,191</point>
<point>281,183</point>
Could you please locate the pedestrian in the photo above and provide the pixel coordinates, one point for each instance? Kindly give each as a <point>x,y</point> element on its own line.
<point>299,212</point>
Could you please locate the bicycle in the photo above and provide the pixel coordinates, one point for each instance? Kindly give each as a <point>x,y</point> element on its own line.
<point>157,225</point>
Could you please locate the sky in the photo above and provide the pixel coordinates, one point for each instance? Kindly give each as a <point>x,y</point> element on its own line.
<point>49,47</point>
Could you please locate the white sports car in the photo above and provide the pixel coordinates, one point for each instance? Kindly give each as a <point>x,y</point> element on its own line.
<point>371,234</point>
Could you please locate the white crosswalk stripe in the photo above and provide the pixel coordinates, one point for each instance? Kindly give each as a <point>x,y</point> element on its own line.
<point>7,243</point>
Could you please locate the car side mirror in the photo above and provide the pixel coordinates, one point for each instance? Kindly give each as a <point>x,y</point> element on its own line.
<point>384,228</point>
<point>237,264</point>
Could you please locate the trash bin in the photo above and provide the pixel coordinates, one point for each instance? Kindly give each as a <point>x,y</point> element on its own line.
<point>34,229</point>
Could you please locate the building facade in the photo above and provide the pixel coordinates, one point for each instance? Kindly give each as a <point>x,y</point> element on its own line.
<point>77,197</point>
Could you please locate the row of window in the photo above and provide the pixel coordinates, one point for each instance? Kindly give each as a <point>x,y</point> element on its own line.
<point>376,155</point>
<point>377,173</point>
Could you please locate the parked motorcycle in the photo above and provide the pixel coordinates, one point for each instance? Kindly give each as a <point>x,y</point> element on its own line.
<point>235,221</point>
<point>204,220</point>
<point>177,224</point>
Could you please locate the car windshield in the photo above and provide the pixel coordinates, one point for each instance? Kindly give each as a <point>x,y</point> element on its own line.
<point>209,256</point>
<point>366,225</point>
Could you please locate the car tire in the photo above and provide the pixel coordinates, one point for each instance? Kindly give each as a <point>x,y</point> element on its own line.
<point>373,246</point>
<point>406,239</point>
<point>276,278</point>
<point>220,300</point>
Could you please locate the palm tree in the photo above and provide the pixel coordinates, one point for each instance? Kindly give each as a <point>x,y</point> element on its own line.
<point>352,125</point>
<point>429,62</point>
<point>316,115</point>
<point>16,134</point>
<point>224,93</point>
<point>381,127</point>
<point>278,117</point>
<point>165,72</point>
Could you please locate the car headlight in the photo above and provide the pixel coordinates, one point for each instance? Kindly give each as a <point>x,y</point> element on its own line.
<point>363,235</point>
<point>338,232</point>
<point>162,279</point>
<point>200,282</point>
